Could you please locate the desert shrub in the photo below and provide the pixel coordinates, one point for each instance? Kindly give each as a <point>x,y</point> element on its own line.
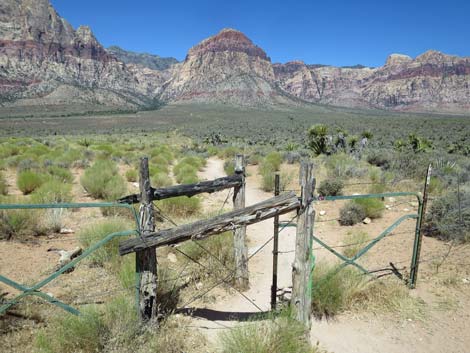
<point>52,192</point>
<point>380,158</point>
<point>351,213</point>
<point>16,224</point>
<point>373,207</point>
<point>292,157</point>
<point>229,167</point>
<point>280,334</point>
<point>61,174</point>
<point>274,159</point>
<point>160,180</point>
<point>3,185</point>
<point>102,181</point>
<point>331,187</point>
<point>95,232</point>
<point>194,161</point>
<point>341,165</point>
<point>446,220</point>
<point>131,175</point>
<point>70,333</point>
<point>28,181</point>
<point>26,164</point>
<point>254,159</point>
<point>181,206</point>
<point>185,172</point>
<point>336,291</point>
<point>270,164</point>
<point>354,242</point>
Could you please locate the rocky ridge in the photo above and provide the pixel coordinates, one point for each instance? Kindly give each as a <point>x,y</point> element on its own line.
<point>44,61</point>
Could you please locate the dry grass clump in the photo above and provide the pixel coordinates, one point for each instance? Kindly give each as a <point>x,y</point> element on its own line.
<point>334,292</point>
<point>102,181</point>
<point>354,242</point>
<point>277,334</point>
<point>181,206</point>
<point>28,181</point>
<point>3,185</point>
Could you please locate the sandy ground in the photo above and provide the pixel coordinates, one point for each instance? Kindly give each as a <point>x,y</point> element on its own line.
<point>444,329</point>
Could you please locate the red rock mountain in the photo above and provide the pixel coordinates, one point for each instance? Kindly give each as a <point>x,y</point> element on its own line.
<point>44,61</point>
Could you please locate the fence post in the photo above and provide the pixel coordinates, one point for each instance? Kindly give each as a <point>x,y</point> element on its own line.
<point>146,260</point>
<point>239,234</point>
<point>301,300</point>
<point>275,246</point>
<point>419,231</point>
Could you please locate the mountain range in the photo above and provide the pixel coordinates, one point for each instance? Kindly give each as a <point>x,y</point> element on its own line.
<point>45,61</point>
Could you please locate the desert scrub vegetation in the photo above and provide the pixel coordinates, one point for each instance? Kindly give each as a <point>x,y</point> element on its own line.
<point>131,175</point>
<point>373,207</point>
<point>185,171</point>
<point>16,224</point>
<point>281,334</point>
<point>351,213</point>
<point>268,167</point>
<point>52,192</point>
<point>3,185</point>
<point>448,217</point>
<point>181,206</point>
<point>347,289</point>
<point>331,187</point>
<point>28,181</point>
<point>102,181</point>
<point>115,328</point>
<point>95,232</point>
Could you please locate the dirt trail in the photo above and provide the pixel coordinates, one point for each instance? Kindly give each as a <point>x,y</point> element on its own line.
<point>442,331</point>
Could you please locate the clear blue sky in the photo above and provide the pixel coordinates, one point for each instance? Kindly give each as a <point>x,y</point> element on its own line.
<point>326,32</point>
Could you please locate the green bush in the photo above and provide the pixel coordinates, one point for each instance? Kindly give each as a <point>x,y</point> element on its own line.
<point>28,181</point>
<point>52,192</point>
<point>102,181</point>
<point>181,206</point>
<point>186,172</point>
<point>274,159</point>
<point>334,291</point>
<point>351,213</point>
<point>446,220</point>
<point>373,207</point>
<point>93,233</point>
<point>61,174</point>
<point>280,334</point>
<point>131,175</point>
<point>229,167</point>
<point>268,167</point>
<point>160,180</point>
<point>331,187</point>
<point>3,185</point>
<point>70,333</point>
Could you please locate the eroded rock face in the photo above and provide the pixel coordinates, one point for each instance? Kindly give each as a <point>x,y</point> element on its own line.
<point>432,82</point>
<point>41,55</point>
<point>226,68</point>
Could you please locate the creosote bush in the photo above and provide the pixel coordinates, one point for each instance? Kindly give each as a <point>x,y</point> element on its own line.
<point>131,175</point>
<point>331,187</point>
<point>351,213</point>
<point>102,181</point>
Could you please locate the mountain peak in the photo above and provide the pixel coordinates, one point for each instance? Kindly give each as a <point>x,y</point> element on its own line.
<point>230,40</point>
<point>395,59</point>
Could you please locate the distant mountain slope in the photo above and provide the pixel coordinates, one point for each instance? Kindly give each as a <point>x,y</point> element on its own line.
<point>44,61</point>
<point>150,61</point>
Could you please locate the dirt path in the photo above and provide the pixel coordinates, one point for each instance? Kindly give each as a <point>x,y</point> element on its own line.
<point>444,329</point>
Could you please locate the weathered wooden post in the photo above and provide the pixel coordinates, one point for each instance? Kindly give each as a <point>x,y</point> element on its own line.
<point>146,260</point>
<point>239,234</point>
<point>275,245</point>
<point>301,300</point>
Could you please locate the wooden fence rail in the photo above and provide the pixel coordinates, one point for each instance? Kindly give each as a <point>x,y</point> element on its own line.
<point>278,205</point>
<point>188,189</point>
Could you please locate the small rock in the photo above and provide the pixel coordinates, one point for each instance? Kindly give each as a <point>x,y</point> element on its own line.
<point>66,231</point>
<point>136,185</point>
<point>366,220</point>
<point>50,294</point>
<point>406,210</point>
<point>172,258</point>
<point>391,199</point>
<point>414,204</point>
<point>322,213</point>
<point>199,285</point>
<point>465,280</point>
<point>388,207</point>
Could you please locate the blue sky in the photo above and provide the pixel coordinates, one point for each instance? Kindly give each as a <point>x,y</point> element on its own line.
<point>328,32</point>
